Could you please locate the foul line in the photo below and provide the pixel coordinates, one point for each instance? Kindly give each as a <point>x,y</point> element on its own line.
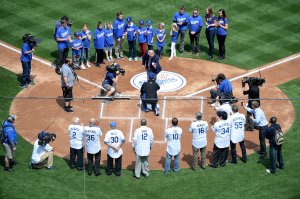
<point>247,74</point>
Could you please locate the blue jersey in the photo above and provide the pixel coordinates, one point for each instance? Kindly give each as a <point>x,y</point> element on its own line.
<point>109,38</point>
<point>131,32</point>
<point>210,19</point>
<point>160,34</point>
<point>63,33</point>
<point>195,24</point>
<point>142,34</point>
<point>85,41</point>
<point>26,57</point>
<point>225,87</point>
<point>174,36</point>
<point>9,132</point>
<point>109,78</point>
<point>150,35</point>
<point>99,38</point>
<point>76,43</point>
<point>223,22</point>
<point>119,28</point>
<point>183,18</point>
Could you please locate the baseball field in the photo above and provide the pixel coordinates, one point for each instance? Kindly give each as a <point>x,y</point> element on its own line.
<point>262,36</point>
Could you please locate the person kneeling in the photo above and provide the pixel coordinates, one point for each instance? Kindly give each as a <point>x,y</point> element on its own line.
<point>42,154</point>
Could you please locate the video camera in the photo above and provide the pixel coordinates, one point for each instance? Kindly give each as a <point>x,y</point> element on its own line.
<point>253,81</point>
<point>30,40</point>
<point>46,137</point>
<point>219,77</point>
<point>114,67</point>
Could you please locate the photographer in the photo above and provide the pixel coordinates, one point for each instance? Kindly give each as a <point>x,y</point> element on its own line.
<point>42,154</point>
<point>224,88</point>
<point>253,94</point>
<point>26,57</point>
<point>68,77</point>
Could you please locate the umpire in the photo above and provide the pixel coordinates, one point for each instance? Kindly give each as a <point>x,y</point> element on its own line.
<point>67,82</point>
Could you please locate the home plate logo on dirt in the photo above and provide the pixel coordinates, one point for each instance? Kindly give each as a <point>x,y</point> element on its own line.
<point>168,81</point>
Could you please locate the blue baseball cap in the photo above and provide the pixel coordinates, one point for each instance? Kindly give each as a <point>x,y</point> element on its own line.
<point>129,19</point>
<point>76,34</point>
<point>142,22</point>
<point>149,22</point>
<point>151,75</point>
<point>113,124</point>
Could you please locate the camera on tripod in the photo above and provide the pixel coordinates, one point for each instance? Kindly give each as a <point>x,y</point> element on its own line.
<point>253,81</point>
<point>46,137</point>
<point>114,67</point>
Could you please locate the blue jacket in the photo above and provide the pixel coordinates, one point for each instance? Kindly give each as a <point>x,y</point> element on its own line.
<point>26,57</point>
<point>10,132</point>
<point>195,24</point>
<point>63,33</point>
<point>109,38</point>
<point>142,37</point>
<point>225,87</point>
<point>150,34</point>
<point>77,43</point>
<point>99,38</point>
<point>131,32</point>
<point>181,18</point>
<point>149,66</point>
<point>119,28</point>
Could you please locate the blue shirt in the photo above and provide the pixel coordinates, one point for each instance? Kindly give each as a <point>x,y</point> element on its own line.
<point>174,36</point>
<point>210,20</point>
<point>119,28</point>
<point>259,116</point>
<point>76,43</point>
<point>109,78</point>
<point>160,34</point>
<point>99,38</point>
<point>26,57</point>
<point>63,33</point>
<point>195,24</point>
<point>178,17</point>
<point>85,41</point>
<point>220,30</point>
<point>109,38</point>
<point>142,36</point>
<point>225,86</point>
<point>10,132</point>
<point>150,35</point>
<point>131,32</point>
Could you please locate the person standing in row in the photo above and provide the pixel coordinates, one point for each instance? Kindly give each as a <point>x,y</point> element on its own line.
<point>92,135</point>
<point>142,38</point>
<point>222,130</point>
<point>195,24</point>
<point>161,39</point>
<point>174,36</point>
<point>76,144</point>
<point>181,18</point>
<point>119,30</point>
<point>150,35</point>
<point>210,22</point>
<point>238,121</point>
<point>99,38</point>
<point>199,130</point>
<point>222,27</point>
<point>109,41</point>
<point>76,46</point>
<point>130,31</point>
<point>86,36</point>
<point>114,139</point>
<point>173,137</point>
<point>142,144</point>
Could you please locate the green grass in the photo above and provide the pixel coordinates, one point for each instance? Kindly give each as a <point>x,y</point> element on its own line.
<point>259,31</point>
<point>234,181</point>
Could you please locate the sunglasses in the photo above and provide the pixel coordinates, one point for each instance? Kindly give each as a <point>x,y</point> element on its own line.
<point>195,13</point>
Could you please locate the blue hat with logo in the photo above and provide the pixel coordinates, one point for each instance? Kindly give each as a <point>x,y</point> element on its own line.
<point>76,34</point>
<point>113,124</point>
<point>129,19</point>
<point>151,75</point>
<point>142,22</point>
<point>149,22</point>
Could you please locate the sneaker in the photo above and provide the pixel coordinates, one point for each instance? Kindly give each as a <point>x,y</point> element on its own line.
<point>97,65</point>
<point>202,167</point>
<point>8,169</point>
<point>108,58</point>
<point>156,113</point>
<point>210,57</point>
<point>129,59</point>
<point>135,176</point>
<point>82,67</point>
<point>176,170</point>
<point>57,70</point>
<point>136,59</point>
<point>24,86</point>
<point>146,110</point>
<point>268,170</point>
<point>243,160</point>
<point>213,166</point>
<point>213,104</point>
<point>68,110</point>
<point>50,168</point>
<point>88,65</point>
<point>118,57</point>
<point>170,58</point>
<point>232,162</point>
<point>141,58</point>
<point>111,58</point>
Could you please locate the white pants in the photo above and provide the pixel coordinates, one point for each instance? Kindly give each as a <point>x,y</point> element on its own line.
<point>173,49</point>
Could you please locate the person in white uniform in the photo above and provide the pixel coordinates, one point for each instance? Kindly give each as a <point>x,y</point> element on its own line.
<point>199,129</point>
<point>142,144</point>
<point>92,135</point>
<point>173,136</point>
<point>114,139</point>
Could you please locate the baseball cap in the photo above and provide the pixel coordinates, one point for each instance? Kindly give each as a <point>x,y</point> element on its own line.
<point>11,117</point>
<point>76,34</point>
<point>113,124</point>
<point>149,22</point>
<point>142,22</point>
<point>151,75</point>
<point>129,19</point>
<point>198,114</point>
<point>219,113</point>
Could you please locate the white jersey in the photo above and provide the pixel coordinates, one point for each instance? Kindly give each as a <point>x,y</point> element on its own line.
<point>38,151</point>
<point>92,136</point>
<point>143,140</point>
<point>76,136</point>
<point>199,130</point>
<point>114,137</point>
<point>222,130</point>
<point>173,136</point>
<point>238,121</point>
<point>226,107</point>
